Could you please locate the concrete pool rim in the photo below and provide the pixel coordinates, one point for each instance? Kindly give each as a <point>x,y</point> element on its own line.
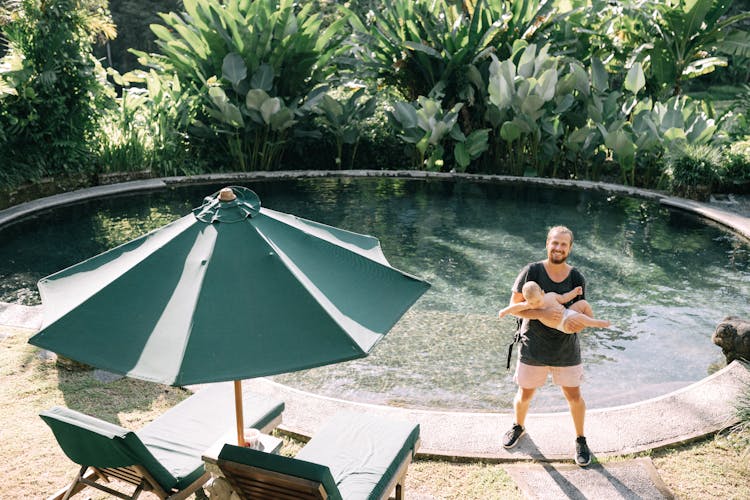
<point>734,222</point>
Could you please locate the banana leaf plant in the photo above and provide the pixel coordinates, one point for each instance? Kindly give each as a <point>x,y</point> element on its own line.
<point>342,118</point>
<point>422,45</point>
<point>256,65</point>
<point>527,107</point>
<point>429,128</point>
<point>684,39</point>
<point>636,130</point>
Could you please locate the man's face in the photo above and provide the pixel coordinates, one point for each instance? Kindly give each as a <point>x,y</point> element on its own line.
<point>558,247</point>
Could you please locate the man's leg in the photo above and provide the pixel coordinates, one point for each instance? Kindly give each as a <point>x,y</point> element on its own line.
<point>521,404</point>
<point>528,379</point>
<point>577,407</point>
<point>578,411</point>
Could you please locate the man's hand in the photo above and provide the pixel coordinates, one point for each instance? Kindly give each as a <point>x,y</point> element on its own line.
<point>574,324</point>
<point>551,314</point>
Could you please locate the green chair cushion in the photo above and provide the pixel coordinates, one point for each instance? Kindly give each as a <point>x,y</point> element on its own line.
<point>282,465</point>
<point>179,436</point>
<point>362,451</point>
<point>90,441</point>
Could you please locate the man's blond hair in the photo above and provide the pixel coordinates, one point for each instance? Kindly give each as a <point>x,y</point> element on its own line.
<point>560,229</point>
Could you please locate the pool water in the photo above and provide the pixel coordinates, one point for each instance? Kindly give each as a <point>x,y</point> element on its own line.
<point>663,277</point>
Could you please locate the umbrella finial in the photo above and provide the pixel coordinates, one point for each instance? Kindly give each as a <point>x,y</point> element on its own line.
<point>229,204</point>
<point>227,194</point>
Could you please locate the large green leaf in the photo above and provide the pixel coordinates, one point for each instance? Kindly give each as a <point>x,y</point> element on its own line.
<point>546,85</point>
<point>262,78</point>
<point>282,120</point>
<point>461,155</point>
<point>269,108</point>
<point>405,114</point>
<point>635,79</point>
<point>510,131</point>
<point>224,110</point>
<point>255,99</point>
<point>233,69</point>
<point>599,76</point>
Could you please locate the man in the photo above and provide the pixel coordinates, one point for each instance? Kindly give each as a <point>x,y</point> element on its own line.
<point>545,350</point>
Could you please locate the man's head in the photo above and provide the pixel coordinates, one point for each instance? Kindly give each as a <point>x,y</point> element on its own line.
<point>559,243</point>
<point>533,294</point>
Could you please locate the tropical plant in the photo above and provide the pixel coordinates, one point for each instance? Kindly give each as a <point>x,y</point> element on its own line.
<point>533,96</point>
<point>341,119</point>
<point>51,88</point>
<point>639,130</point>
<point>429,128</point>
<point>148,129</point>
<point>683,39</point>
<point>256,66</point>
<point>416,44</point>
<point>694,171</point>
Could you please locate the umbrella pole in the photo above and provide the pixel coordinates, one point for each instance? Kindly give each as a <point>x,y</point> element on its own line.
<point>238,410</point>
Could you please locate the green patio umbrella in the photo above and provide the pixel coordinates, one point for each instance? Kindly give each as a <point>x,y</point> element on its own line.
<point>229,292</point>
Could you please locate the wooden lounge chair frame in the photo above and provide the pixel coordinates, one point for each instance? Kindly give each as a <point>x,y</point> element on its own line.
<point>217,397</point>
<point>135,475</point>
<point>253,482</point>
<point>329,465</point>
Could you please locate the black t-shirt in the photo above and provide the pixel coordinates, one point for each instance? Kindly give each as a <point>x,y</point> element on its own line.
<point>540,344</point>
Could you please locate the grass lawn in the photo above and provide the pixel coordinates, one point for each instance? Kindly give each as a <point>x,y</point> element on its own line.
<point>716,467</point>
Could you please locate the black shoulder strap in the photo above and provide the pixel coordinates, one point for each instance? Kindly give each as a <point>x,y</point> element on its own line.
<point>516,339</point>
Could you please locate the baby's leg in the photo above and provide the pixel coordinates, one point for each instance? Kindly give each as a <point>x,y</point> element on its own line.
<point>582,307</point>
<point>589,321</point>
<point>586,314</point>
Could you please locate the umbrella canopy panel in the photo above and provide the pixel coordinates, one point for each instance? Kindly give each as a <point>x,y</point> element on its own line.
<point>232,291</point>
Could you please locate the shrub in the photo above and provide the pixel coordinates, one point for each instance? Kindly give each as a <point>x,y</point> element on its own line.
<point>736,175</point>
<point>51,87</point>
<point>694,171</point>
<point>148,129</point>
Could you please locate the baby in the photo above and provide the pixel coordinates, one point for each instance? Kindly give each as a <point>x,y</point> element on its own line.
<point>536,298</point>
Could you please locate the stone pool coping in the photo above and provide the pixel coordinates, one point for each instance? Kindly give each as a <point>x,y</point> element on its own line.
<point>738,223</point>
<point>689,413</point>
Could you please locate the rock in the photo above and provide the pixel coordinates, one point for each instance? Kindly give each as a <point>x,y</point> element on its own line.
<point>733,336</point>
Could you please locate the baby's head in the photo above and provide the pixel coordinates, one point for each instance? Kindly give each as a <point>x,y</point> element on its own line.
<point>533,294</point>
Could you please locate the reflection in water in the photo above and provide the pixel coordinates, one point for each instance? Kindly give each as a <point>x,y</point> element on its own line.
<point>663,277</point>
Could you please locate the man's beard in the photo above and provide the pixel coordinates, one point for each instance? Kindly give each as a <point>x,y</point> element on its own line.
<point>557,259</point>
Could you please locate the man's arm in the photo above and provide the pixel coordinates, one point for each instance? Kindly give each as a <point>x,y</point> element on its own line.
<point>551,315</point>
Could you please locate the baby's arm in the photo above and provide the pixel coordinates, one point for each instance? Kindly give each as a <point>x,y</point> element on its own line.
<point>514,308</point>
<point>568,296</point>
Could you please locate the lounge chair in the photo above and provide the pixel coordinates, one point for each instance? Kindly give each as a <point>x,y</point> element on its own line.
<point>164,457</point>
<point>354,456</point>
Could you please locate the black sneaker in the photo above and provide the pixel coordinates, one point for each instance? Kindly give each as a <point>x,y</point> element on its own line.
<point>583,455</point>
<point>510,439</point>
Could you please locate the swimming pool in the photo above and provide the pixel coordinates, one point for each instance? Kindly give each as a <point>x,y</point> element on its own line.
<point>663,277</point>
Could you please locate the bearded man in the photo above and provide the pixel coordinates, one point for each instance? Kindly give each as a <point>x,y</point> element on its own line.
<point>548,351</point>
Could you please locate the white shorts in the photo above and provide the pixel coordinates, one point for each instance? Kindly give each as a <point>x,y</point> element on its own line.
<point>533,377</point>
